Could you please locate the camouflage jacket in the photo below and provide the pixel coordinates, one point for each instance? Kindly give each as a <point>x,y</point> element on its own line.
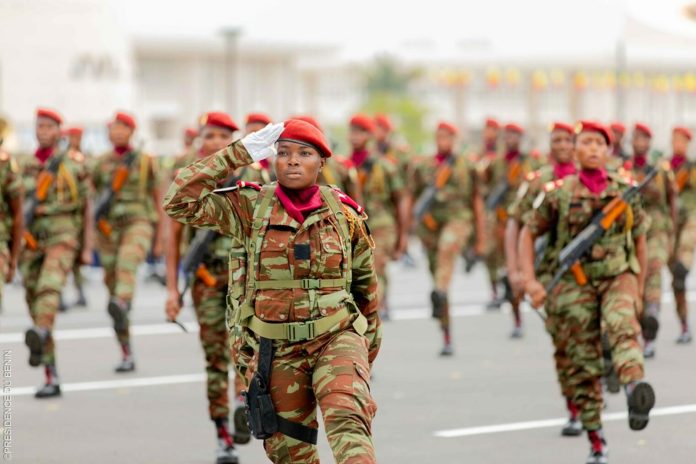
<point>498,170</point>
<point>685,180</point>
<point>10,188</point>
<point>656,196</point>
<point>289,250</point>
<point>379,182</point>
<point>60,216</point>
<point>567,207</point>
<point>340,173</point>
<point>134,201</point>
<point>454,200</point>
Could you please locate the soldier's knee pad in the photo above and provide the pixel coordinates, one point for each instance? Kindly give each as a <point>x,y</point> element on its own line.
<point>679,273</point>
<point>438,298</point>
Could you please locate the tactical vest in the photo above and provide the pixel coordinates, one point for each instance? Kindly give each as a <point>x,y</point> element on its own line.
<point>305,330</point>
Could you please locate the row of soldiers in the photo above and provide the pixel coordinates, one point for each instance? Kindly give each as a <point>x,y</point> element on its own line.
<point>452,202</point>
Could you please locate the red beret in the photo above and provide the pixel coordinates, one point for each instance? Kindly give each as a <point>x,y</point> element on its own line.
<point>447,126</point>
<point>594,126</point>
<point>561,126</point>
<point>191,132</point>
<point>362,121</point>
<point>74,130</point>
<point>616,126</point>
<point>514,127</point>
<point>125,118</point>
<point>682,130</point>
<point>50,114</point>
<point>309,119</point>
<point>643,128</point>
<point>383,121</point>
<point>259,118</point>
<point>299,131</point>
<point>490,122</point>
<point>218,119</point>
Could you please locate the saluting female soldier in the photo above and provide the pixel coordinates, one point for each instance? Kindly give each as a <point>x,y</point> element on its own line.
<point>309,318</point>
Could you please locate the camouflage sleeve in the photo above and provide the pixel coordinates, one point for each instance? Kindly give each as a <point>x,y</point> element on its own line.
<point>95,168</point>
<point>543,216</point>
<point>394,178</point>
<point>191,198</point>
<point>364,285</point>
<point>14,186</point>
<point>641,222</point>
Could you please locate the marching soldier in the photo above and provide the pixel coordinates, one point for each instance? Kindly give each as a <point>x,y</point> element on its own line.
<point>683,255</point>
<point>563,165</point>
<point>386,202</point>
<point>384,130</point>
<point>209,290</point>
<point>448,205</point>
<point>11,220</point>
<point>309,318</point>
<point>659,201</point>
<point>56,215</point>
<point>618,130</point>
<point>127,181</point>
<point>606,283</point>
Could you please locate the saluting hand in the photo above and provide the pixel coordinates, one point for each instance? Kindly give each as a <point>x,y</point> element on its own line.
<point>259,144</point>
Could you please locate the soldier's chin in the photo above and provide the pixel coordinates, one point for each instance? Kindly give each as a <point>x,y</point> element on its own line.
<point>294,182</point>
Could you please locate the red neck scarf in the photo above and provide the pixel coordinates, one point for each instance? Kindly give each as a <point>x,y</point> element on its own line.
<point>120,151</point>
<point>42,154</point>
<point>561,170</point>
<point>442,157</point>
<point>358,157</point>
<point>299,203</point>
<point>489,147</point>
<point>512,155</point>
<point>677,161</point>
<point>640,160</point>
<point>265,164</point>
<point>595,180</point>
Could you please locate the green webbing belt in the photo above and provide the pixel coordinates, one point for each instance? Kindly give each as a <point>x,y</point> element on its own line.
<point>298,331</point>
<point>306,284</point>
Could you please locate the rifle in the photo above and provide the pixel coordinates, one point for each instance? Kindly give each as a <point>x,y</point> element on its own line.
<point>497,195</point>
<point>569,258</point>
<point>44,182</point>
<point>106,197</point>
<point>427,198</point>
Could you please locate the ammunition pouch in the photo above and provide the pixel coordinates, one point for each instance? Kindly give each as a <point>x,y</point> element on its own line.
<point>261,415</point>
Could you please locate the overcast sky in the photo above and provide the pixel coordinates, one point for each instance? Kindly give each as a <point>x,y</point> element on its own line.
<point>361,28</point>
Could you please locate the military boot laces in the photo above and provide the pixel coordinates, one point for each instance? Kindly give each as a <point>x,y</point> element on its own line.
<point>242,434</point>
<point>641,399</point>
<point>118,310</point>
<point>599,453</point>
<point>35,338</point>
<point>225,453</point>
<point>51,388</point>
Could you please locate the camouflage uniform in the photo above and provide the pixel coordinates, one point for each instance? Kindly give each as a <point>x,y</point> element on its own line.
<point>610,294</point>
<point>10,189</point>
<point>330,369</point>
<point>447,225</point>
<point>379,184</point>
<point>131,219</point>
<point>683,258</point>
<point>340,173</point>
<point>57,227</point>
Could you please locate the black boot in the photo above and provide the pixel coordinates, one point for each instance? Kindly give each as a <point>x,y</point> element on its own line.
<point>242,434</point>
<point>599,453</point>
<point>641,399</point>
<point>118,310</point>
<point>35,339</point>
<point>225,453</point>
<point>51,388</point>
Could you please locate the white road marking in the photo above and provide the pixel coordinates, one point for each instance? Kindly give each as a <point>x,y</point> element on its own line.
<point>121,383</point>
<point>540,424</point>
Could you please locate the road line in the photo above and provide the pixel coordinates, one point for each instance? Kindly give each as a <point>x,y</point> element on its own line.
<point>540,424</point>
<point>105,332</point>
<point>121,383</point>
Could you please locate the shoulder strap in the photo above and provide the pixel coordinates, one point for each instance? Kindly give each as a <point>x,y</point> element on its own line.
<point>343,230</point>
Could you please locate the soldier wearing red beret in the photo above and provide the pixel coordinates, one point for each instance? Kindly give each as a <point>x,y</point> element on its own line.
<point>385,198</point>
<point>618,131</point>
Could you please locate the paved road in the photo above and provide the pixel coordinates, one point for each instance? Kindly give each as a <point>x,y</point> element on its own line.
<point>496,401</point>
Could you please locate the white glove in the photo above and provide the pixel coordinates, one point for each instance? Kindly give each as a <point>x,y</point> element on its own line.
<point>260,144</point>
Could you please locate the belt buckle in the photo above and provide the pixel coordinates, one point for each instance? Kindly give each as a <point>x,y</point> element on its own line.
<point>299,331</point>
<point>310,284</point>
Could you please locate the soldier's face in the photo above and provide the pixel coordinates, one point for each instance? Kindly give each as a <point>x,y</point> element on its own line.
<point>561,146</point>
<point>512,140</point>
<point>641,143</point>
<point>618,136</point>
<point>490,135</point>
<point>381,134</point>
<point>680,144</point>
<point>591,150</point>
<point>358,138</point>
<point>297,166</point>
<point>444,140</point>
<point>47,132</point>
<point>215,139</point>
<point>120,134</point>
<point>253,127</point>
<point>75,140</point>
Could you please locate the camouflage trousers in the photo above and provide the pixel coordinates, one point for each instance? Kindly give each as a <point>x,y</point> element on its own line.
<point>658,255</point>
<point>44,272</point>
<point>336,376</point>
<point>443,247</point>
<point>580,310</point>
<point>495,256</point>
<point>4,266</point>
<point>560,335</point>
<point>121,254</point>
<point>684,254</point>
<point>210,305</point>
<point>385,241</point>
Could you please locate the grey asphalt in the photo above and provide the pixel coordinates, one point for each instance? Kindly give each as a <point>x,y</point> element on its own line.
<point>491,381</point>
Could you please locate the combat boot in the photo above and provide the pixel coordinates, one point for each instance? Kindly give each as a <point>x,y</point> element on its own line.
<point>118,310</point>
<point>35,339</point>
<point>127,363</point>
<point>517,332</point>
<point>684,337</point>
<point>81,300</point>
<point>225,453</point>
<point>641,399</point>
<point>572,428</point>
<point>599,453</point>
<point>649,322</point>
<point>242,434</point>
<point>51,388</point>
<point>649,349</point>
<point>438,299</point>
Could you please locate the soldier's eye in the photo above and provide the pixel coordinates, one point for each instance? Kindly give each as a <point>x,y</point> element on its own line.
<point>282,153</point>
<point>305,153</point>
